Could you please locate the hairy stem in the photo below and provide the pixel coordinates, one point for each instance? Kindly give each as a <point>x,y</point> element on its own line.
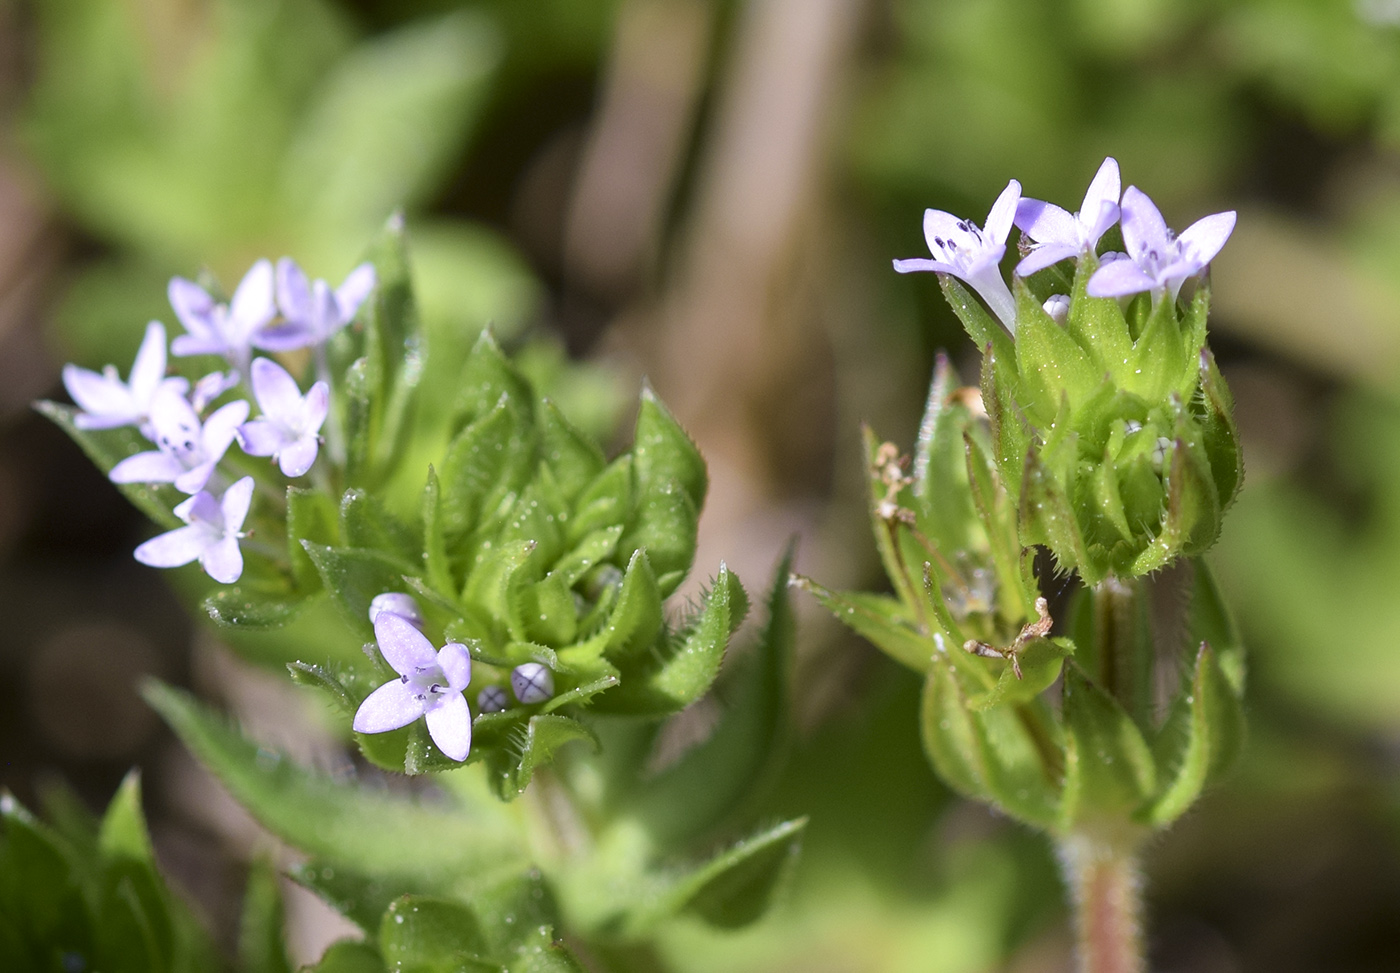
<point>1123,657</point>
<point>1105,884</point>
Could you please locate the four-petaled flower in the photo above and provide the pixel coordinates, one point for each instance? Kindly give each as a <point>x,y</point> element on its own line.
<point>290,422</point>
<point>108,402</point>
<point>312,311</point>
<point>1156,260</point>
<point>1059,235</point>
<point>430,685</point>
<point>211,534</point>
<point>188,449</point>
<point>223,329</point>
<point>973,253</point>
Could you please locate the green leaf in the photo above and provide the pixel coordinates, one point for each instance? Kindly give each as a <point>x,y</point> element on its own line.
<point>348,956</point>
<point>513,765</point>
<point>1221,437</point>
<point>575,459</point>
<point>1201,741</point>
<point>1158,359</point>
<point>319,677</point>
<point>311,516</point>
<point>636,618</point>
<point>487,378</point>
<point>360,899</point>
<point>1097,323</point>
<point>432,935</point>
<point>435,562</point>
<point>1109,769</point>
<point>883,621</point>
<point>951,735</point>
<point>606,502</point>
<point>1209,620</point>
<point>662,452</point>
<point>1051,364</point>
<point>685,670</point>
<point>355,577</point>
<point>260,933</point>
<point>108,447</point>
<point>541,954</point>
<point>1041,662</point>
<point>982,327</point>
<point>1047,513</point>
<point>718,779</point>
<point>489,459</point>
<point>247,608</point>
<point>592,550</point>
<point>736,886</point>
<point>343,824</point>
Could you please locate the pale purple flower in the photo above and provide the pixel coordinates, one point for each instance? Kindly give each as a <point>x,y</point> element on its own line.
<point>213,528</point>
<point>400,604</point>
<point>312,311</point>
<point>188,449</point>
<point>430,685</point>
<point>290,423</point>
<point>1058,234</point>
<point>223,329</point>
<point>108,402</point>
<point>1157,260</point>
<point>973,253</point>
<point>532,682</point>
<point>210,387</point>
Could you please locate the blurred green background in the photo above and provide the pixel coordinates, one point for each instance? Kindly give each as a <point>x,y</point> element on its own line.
<point>709,192</point>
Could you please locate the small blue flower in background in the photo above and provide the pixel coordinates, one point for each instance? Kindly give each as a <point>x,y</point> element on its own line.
<point>430,685</point>
<point>211,534</point>
<point>108,402</point>
<point>188,449</point>
<point>1156,260</point>
<point>312,311</point>
<point>290,422</point>
<point>223,329</point>
<point>1058,234</point>
<point>972,253</point>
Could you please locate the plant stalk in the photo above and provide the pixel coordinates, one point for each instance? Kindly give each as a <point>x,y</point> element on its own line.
<point>1105,883</point>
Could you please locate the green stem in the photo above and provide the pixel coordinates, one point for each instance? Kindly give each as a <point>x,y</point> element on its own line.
<point>1105,884</point>
<point>1123,657</point>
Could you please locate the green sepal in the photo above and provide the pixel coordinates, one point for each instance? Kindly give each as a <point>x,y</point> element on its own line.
<point>359,898</point>
<point>108,447</point>
<point>1154,369</point>
<point>513,763</point>
<point>885,622</point>
<point>123,833</point>
<point>261,946</point>
<point>431,935</point>
<point>592,550</point>
<point>1016,590</point>
<point>716,781</point>
<point>663,452</point>
<point>311,516</point>
<point>1052,366</point>
<point>736,886</point>
<point>1011,434</point>
<point>951,733</point>
<point>354,577</point>
<point>437,568</point>
<point>1048,517</point>
<point>487,591</point>
<point>982,327</point>
<point>1109,770</point>
<point>319,677</point>
<point>636,618</point>
<point>343,824</point>
<point>684,670</point>
<point>357,394</point>
<point>488,460</point>
<point>244,606</point>
<point>1097,324</point>
<point>348,956</point>
<point>1209,620</point>
<point>575,459</point>
<point>392,344</point>
<point>1200,740</point>
<point>606,501</point>
<point>1192,519</point>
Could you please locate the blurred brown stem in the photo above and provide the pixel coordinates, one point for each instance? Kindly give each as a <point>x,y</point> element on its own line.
<point>1105,883</point>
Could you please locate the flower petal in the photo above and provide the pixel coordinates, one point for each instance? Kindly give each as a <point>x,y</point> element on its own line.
<point>284,337</point>
<point>201,508</point>
<point>389,707</point>
<point>235,503</point>
<point>220,428</point>
<point>253,304</point>
<point>923,263</point>
<point>277,392</point>
<point>149,467</point>
<point>1144,229</point>
<point>354,289</point>
<point>1106,187</point>
<point>293,290</point>
<point>1202,240</point>
<point>1045,255</point>
<point>1120,278</point>
<point>222,560</point>
<point>1047,223</point>
<point>105,399</point>
<point>450,726</point>
<point>456,663</point>
<point>999,220</point>
<point>939,225</point>
<point>315,407</point>
<point>186,345</point>
<point>405,648</point>
<point>175,547</point>
<point>149,368</point>
<point>193,306</point>
<point>298,456</point>
<point>196,478</point>
<point>262,438</point>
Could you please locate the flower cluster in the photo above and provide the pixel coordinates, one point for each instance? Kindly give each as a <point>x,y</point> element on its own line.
<point>1157,261</point>
<point>190,447</point>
